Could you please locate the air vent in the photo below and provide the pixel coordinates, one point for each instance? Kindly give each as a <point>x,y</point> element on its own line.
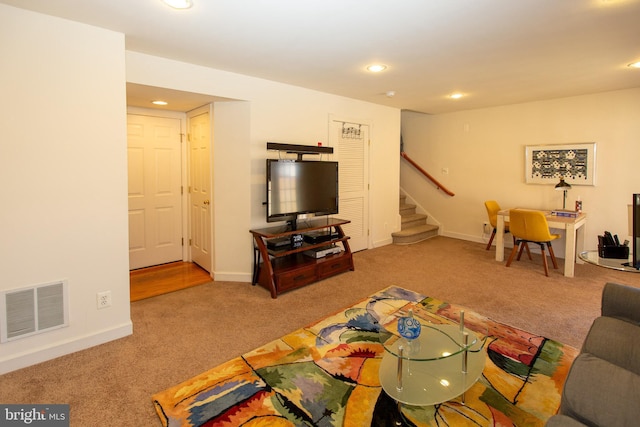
<point>29,311</point>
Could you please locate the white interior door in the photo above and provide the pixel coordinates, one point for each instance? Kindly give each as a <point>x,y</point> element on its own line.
<point>351,144</point>
<point>155,210</point>
<point>200,188</point>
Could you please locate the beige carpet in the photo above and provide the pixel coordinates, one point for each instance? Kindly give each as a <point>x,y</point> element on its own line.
<point>174,338</point>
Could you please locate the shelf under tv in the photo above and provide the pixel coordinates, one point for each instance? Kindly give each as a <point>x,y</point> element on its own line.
<point>286,268</point>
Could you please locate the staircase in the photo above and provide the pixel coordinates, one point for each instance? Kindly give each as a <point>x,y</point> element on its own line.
<point>414,226</point>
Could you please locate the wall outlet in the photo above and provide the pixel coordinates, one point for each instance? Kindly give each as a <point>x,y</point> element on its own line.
<point>104,299</point>
<point>486,228</point>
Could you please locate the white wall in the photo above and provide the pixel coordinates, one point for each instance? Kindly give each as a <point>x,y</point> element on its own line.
<point>63,166</point>
<point>231,183</point>
<point>484,152</point>
<point>63,176</point>
<point>271,112</point>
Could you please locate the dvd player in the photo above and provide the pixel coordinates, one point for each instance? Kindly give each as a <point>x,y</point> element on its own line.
<point>278,243</point>
<point>323,251</point>
<point>320,236</point>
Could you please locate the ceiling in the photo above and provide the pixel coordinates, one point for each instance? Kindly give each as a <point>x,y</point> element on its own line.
<point>141,96</point>
<point>495,52</point>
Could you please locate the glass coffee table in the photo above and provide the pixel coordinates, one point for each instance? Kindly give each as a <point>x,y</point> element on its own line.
<point>592,257</point>
<point>443,362</point>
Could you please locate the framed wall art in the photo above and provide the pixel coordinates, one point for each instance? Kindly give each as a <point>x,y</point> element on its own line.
<point>546,164</point>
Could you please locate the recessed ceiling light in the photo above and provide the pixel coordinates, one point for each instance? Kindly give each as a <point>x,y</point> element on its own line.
<point>159,102</point>
<point>376,68</point>
<point>179,4</point>
<point>456,95</point>
<point>634,65</point>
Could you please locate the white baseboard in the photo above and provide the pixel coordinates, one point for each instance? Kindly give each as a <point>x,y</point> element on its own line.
<point>42,354</point>
<point>232,277</point>
<point>461,236</point>
<point>384,242</point>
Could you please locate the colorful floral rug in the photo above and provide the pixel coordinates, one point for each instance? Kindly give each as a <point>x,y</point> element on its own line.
<point>326,374</point>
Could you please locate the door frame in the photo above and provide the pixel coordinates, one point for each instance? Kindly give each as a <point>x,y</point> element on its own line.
<point>183,164</point>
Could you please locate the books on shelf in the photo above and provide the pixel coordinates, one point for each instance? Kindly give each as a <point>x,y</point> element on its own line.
<point>565,213</point>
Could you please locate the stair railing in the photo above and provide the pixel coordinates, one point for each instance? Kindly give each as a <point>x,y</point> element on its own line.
<point>426,174</point>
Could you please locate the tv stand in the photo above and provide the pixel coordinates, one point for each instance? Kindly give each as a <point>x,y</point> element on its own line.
<point>285,268</point>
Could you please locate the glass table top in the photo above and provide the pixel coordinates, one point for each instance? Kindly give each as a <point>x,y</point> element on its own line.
<point>440,341</point>
<point>592,257</point>
<point>440,364</point>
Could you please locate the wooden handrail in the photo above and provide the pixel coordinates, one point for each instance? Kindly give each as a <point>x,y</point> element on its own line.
<point>425,173</point>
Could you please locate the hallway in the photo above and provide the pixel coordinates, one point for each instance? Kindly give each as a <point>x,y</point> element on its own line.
<point>165,278</point>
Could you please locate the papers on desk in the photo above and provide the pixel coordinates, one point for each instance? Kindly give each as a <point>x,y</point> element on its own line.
<point>565,213</point>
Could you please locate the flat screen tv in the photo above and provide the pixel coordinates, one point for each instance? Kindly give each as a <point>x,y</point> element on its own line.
<point>636,231</point>
<point>301,187</point>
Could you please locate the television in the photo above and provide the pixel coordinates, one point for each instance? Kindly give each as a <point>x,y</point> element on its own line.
<point>635,208</point>
<point>301,187</point>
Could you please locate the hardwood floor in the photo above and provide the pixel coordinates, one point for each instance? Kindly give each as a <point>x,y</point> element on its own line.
<point>162,279</point>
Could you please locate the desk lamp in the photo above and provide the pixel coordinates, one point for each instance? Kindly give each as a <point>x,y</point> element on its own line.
<point>563,186</point>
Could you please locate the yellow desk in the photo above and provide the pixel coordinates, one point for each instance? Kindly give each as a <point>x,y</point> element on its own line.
<point>574,237</point>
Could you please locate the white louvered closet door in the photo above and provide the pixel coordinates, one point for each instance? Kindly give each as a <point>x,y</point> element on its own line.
<point>351,142</point>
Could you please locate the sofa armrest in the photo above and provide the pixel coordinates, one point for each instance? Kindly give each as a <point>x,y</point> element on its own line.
<point>621,301</point>
<point>616,341</point>
<point>598,393</point>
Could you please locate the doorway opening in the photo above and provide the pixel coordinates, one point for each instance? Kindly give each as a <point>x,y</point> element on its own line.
<point>161,234</point>
<point>162,279</point>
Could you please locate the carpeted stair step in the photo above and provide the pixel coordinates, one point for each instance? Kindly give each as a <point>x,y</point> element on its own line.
<point>413,227</point>
<point>414,234</point>
<point>407,209</point>
<point>412,220</point>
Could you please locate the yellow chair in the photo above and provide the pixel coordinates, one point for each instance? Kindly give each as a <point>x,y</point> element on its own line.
<point>492,210</point>
<point>531,226</point>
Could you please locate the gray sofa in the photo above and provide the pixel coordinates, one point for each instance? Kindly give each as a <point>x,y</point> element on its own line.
<point>603,385</point>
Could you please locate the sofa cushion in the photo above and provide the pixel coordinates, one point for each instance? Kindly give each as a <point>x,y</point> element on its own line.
<point>599,393</point>
<point>563,421</point>
<point>621,301</point>
<point>615,341</point>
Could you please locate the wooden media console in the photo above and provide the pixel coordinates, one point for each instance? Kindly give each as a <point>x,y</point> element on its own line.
<point>280,263</point>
